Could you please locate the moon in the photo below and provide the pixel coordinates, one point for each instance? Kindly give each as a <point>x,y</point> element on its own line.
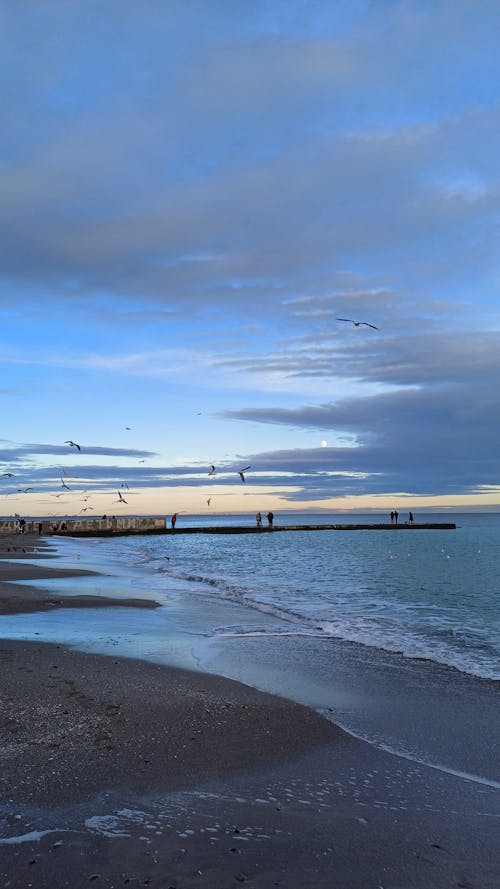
<point>324,443</point>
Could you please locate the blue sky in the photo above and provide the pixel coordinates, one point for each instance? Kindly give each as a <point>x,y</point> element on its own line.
<point>192,194</point>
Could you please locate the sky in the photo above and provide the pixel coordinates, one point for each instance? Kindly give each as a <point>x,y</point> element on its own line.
<point>192,194</point>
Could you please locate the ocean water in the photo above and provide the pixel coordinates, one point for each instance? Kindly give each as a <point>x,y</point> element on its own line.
<point>395,636</point>
<point>431,595</point>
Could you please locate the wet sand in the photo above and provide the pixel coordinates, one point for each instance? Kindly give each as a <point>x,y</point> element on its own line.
<point>118,772</point>
<point>15,553</point>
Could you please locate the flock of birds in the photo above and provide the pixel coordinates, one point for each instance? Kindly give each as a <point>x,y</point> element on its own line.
<point>212,471</point>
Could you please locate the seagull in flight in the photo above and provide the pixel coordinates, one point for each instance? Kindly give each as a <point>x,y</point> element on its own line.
<point>24,490</point>
<point>121,498</point>
<point>73,444</point>
<point>86,508</point>
<point>209,501</point>
<point>357,323</point>
<point>63,483</point>
<point>213,470</point>
<point>8,475</point>
<point>241,471</point>
<point>124,485</point>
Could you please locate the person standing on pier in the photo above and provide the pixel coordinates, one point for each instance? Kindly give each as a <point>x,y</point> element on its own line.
<point>173,521</point>
<point>410,518</point>
<point>392,517</point>
<point>270,517</point>
<point>258,519</point>
<point>396,516</point>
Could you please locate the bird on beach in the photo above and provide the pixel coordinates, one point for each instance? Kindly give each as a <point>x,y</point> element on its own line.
<point>73,444</point>
<point>213,470</point>
<point>357,323</point>
<point>241,471</point>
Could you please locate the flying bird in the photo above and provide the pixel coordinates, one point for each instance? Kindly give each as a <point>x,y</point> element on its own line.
<point>73,444</point>
<point>213,470</point>
<point>357,323</point>
<point>241,471</point>
<point>209,501</point>
<point>8,475</point>
<point>128,428</point>
<point>24,490</point>
<point>63,483</point>
<point>124,485</point>
<point>86,508</point>
<point>121,498</point>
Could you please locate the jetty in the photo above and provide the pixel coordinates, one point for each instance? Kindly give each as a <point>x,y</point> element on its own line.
<point>115,527</point>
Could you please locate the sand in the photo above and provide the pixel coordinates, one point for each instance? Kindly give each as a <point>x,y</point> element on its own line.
<point>117,772</point>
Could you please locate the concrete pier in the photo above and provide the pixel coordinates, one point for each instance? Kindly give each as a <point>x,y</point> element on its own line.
<point>123,527</point>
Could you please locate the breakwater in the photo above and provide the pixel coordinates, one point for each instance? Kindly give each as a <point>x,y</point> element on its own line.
<point>122,527</point>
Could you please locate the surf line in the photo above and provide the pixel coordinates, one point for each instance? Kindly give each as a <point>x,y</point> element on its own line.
<point>465,776</point>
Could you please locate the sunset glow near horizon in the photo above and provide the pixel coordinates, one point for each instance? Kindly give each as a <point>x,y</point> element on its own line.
<point>193,195</point>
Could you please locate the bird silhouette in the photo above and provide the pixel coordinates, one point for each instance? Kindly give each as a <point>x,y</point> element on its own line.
<point>73,444</point>
<point>121,498</point>
<point>8,475</point>
<point>209,501</point>
<point>241,471</point>
<point>63,483</point>
<point>24,490</point>
<point>213,470</point>
<point>357,323</point>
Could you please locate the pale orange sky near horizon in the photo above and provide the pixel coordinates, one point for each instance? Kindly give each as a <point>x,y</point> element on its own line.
<point>165,501</point>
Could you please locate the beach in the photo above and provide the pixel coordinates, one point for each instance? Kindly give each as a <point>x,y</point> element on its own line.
<point>120,772</point>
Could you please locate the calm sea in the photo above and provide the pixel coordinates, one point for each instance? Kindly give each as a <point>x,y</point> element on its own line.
<point>427,594</point>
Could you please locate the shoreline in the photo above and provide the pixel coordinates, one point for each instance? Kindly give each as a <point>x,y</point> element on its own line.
<point>118,770</point>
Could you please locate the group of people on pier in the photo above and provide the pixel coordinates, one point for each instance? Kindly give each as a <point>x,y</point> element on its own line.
<point>258,519</point>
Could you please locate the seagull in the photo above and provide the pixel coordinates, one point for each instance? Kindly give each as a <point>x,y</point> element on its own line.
<point>209,501</point>
<point>86,508</point>
<point>121,499</point>
<point>8,475</point>
<point>213,470</point>
<point>24,490</point>
<point>73,444</point>
<point>128,428</point>
<point>241,471</point>
<point>357,323</point>
<point>142,461</point>
<point>63,483</point>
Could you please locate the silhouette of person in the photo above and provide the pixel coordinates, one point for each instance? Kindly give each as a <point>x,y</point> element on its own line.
<point>410,518</point>
<point>270,517</point>
<point>396,516</point>
<point>258,519</point>
<point>392,516</point>
<point>173,520</point>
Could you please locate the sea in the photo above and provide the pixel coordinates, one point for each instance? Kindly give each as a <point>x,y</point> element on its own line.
<point>394,636</point>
